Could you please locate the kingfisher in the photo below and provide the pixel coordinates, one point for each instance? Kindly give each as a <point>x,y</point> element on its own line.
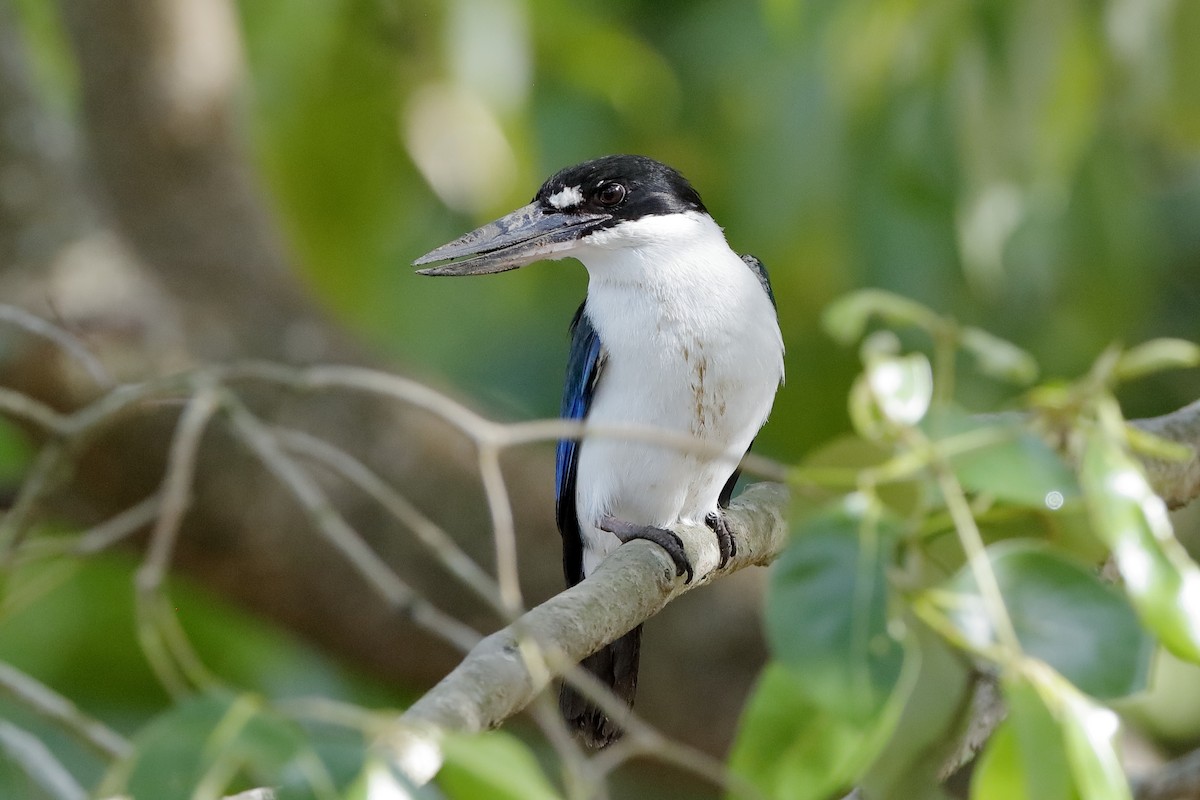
<point>677,332</point>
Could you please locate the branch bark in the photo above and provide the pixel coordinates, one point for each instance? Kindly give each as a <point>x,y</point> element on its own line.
<point>1177,483</point>
<point>498,678</point>
<point>1176,780</point>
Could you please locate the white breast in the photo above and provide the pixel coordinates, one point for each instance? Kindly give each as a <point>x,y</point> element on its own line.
<point>692,344</point>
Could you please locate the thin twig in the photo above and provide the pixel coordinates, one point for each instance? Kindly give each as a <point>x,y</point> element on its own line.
<point>38,481</point>
<point>43,768</point>
<point>118,527</point>
<point>332,712</point>
<point>977,559</point>
<point>31,323</point>
<point>51,705</point>
<point>325,518</point>
<point>644,742</point>
<point>176,491</point>
<point>576,766</point>
<point>174,660</point>
<point>504,534</point>
<point>362,379</point>
<point>437,541</point>
<point>23,407</point>
<point>91,418</point>
<point>477,427</point>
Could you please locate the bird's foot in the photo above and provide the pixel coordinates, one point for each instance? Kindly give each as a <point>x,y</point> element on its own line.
<point>726,545</point>
<point>662,537</point>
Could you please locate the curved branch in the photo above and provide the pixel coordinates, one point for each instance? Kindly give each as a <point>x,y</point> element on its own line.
<point>1176,482</point>
<point>496,680</point>
<point>1175,780</point>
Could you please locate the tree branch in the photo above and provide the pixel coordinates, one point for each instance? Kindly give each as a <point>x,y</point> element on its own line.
<point>1177,483</point>
<point>497,680</point>
<point>1176,780</point>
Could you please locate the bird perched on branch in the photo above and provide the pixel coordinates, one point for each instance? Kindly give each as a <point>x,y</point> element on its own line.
<point>677,332</point>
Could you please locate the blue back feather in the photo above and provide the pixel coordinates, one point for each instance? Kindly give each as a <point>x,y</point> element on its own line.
<point>583,372</point>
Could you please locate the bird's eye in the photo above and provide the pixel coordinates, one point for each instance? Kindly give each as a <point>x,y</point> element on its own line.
<point>610,194</point>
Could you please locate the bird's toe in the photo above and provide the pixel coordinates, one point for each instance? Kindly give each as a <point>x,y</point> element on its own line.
<point>726,544</point>
<point>667,540</point>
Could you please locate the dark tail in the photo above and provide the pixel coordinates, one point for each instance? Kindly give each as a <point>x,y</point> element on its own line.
<point>616,665</point>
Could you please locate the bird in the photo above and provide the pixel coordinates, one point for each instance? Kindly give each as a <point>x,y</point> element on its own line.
<point>676,332</point>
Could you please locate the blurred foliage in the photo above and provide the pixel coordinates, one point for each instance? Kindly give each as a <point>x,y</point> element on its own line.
<point>1031,165</point>
<point>72,624</point>
<point>884,605</point>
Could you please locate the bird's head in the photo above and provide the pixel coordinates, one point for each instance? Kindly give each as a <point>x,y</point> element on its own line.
<point>605,202</point>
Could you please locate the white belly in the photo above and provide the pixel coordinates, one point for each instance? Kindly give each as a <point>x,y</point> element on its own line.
<point>706,363</point>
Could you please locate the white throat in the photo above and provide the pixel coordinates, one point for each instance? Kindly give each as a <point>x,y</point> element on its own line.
<point>675,270</point>
<point>663,249</point>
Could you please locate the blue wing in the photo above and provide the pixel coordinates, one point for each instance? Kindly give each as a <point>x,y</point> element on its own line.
<point>584,365</point>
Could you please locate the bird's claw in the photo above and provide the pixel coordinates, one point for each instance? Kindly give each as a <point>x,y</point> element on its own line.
<point>667,540</point>
<point>726,544</point>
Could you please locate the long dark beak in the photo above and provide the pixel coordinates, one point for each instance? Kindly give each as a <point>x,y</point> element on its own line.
<point>526,235</point>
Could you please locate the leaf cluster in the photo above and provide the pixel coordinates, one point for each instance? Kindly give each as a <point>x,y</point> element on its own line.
<point>937,550</point>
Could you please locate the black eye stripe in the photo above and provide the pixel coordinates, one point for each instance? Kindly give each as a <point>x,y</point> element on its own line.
<point>650,187</point>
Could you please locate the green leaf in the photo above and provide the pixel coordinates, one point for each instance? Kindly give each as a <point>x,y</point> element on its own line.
<point>494,765</point>
<point>1056,744</point>
<point>1091,733</point>
<point>827,609</point>
<point>1160,578</point>
<point>1025,758</point>
<point>935,687</point>
<point>1088,731</point>
<point>1156,355</point>
<point>864,411</point>
<point>1062,614</point>
<point>998,775</point>
<point>219,741</point>
<point>1003,460</point>
<point>845,320</point>
<point>788,746</point>
<point>999,358</point>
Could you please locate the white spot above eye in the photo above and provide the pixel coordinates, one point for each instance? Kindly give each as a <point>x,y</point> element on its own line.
<point>566,198</point>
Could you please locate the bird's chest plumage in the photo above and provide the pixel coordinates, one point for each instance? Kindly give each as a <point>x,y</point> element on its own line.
<point>706,361</point>
<point>667,371</point>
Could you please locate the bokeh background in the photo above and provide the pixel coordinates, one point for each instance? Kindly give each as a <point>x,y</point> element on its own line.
<point>1031,167</point>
